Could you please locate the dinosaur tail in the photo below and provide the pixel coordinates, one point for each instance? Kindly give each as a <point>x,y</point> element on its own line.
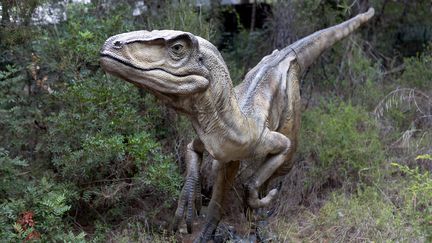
<point>310,47</point>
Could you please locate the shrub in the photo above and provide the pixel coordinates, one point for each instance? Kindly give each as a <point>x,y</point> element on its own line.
<point>343,143</point>
<point>20,112</point>
<point>101,142</point>
<point>94,134</point>
<point>71,52</point>
<point>417,73</point>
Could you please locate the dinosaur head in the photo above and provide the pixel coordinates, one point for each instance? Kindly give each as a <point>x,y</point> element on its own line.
<point>166,62</point>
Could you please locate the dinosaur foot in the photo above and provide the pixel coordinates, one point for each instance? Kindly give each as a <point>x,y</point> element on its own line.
<point>189,202</point>
<point>208,232</point>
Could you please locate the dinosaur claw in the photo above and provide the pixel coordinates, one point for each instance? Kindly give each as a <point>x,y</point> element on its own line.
<point>279,187</point>
<point>198,201</point>
<point>189,217</point>
<point>189,227</point>
<point>174,226</point>
<point>271,193</point>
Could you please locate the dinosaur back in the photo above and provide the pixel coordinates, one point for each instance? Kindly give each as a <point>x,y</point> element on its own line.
<point>270,91</point>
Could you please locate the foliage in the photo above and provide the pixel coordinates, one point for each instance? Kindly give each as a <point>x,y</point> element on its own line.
<point>359,76</point>
<point>343,142</point>
<point>32,209</point>
<point>405,119</point>
<point>19,111</point>
<point>94,127</point>
<point>93,133</point>
<point>21,12</point>
<point>406,24</point>
<point>9,169</point>
<point>73,48</point>
<point>101,140</point>
<point>367,211</point>
<point>417,71</point>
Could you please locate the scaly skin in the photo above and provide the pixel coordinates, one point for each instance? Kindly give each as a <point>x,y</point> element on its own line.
<point>258,118</point>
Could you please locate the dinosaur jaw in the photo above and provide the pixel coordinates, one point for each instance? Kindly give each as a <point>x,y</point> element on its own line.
<point>156,79</point>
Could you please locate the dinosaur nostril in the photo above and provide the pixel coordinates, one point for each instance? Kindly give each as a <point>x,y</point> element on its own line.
<point>118,44</point>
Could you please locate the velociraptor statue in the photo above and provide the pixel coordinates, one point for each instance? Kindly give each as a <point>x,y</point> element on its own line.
<point>258,118</point>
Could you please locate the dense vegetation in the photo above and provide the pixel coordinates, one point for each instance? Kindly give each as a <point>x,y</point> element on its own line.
<point>87,157</point>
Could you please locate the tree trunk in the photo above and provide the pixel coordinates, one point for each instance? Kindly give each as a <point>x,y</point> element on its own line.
<point>5,4</point>
<point>253,16</point>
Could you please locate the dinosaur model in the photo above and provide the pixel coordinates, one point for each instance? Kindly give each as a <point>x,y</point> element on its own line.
<point>259,118</point>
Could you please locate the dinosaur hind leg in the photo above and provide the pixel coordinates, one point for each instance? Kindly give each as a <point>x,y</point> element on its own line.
<point>277,147</point>
<point>191,190</point>
<point>226,173</point>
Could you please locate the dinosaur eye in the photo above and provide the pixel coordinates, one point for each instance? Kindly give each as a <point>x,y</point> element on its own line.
<point>177,48</point>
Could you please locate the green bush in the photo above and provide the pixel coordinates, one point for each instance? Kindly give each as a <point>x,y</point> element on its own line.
<point>93,133</point>
<point>21,116</point>
<point>103,143</point>
<point>418,73</point>
<point>71,52</point>
<point>9,169</point>
<point>343,143</point>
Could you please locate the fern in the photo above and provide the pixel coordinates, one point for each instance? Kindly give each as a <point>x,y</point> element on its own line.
<point>407,113</point>
<point>411,98</point>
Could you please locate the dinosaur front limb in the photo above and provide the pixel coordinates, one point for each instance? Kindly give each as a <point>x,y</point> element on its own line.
<point>277,147</point>
<point>191,188</point>
<point>226,173</point>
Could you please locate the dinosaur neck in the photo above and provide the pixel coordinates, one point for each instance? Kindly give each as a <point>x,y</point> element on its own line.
<point>217,109</point>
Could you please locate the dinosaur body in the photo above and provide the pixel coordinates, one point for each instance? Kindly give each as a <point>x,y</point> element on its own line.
<point>258,118</point>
